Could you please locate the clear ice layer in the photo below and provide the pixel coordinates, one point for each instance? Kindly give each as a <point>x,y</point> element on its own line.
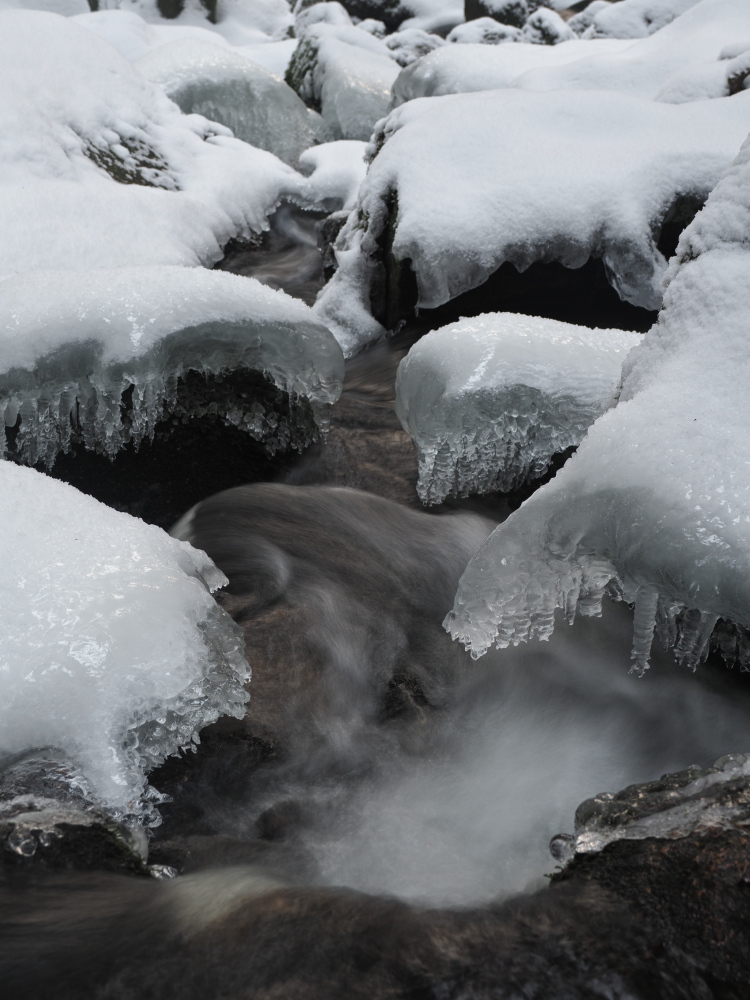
<point>76,341</point>
<point>462,184</point>
<point>655,504</point>
<point>226,87</point>
<point>489,401</point>
<point>113,651</point>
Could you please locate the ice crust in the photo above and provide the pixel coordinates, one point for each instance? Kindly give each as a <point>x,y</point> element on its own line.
<point>489,401</point>
<point>525,177</point>
<point>113,650</point>
<point>654,504</point>
<point>680,62</point>
<point>347,73</point>
<point>74,342</point>
<point>99,169</point>
<point>226,87</point>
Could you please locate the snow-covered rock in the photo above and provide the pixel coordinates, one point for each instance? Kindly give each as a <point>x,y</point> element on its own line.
<point>655,502</point>
<point>511,12</point>
<point>484,31</point>
<point>434,16</point>
<point>73,342</point>
<point>99,169</point>
<point>489,401</point>
<point>335,172</point>
<point>545,27</point>
<point>462,184</point>
<point>411,44</point>
<point>347,75</point>
<point>112,649</point>
<point>671,64</point>
<point>225,87</point>
<point>327,12</point>
<point>133,37</point>
<point>637,18</point>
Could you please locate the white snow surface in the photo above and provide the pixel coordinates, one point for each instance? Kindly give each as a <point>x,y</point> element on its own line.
<point>488,401</point>
<point>484,31</point>
<point>226,87</point>
<point>515,176</point>
<point>655,501</point>
<point>113,649</point>
<point>677,63</point>
<point>336,171</point>
<point>638,18</point>
<point>72,110</point>
<point>240,22</point>
<point>349,75</point>
<point>74,341</point>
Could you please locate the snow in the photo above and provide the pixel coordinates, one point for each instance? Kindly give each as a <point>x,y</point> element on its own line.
<point>484,31</point>
<point>133,37</point>
<point>113,650</point>
<point>489,401</point>
<point>336,171</point>
<point>530,177</point>
<point>226,87</point>
<point>75,341</point>
<point>637,18</point>
<point>348,74</point>
<point>434,16</point>
<point>74,116</point>
<point>410,44</point>
<point>66,8</point>
<point>239,22</point>
<point>545,27</point>
<point>654,505</point>
<point>667,65</point>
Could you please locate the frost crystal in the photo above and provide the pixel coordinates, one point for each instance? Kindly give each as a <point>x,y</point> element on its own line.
<point>654,505</point>
<point>489,401</point>
<point>113,650</point>
<point>76,344</point>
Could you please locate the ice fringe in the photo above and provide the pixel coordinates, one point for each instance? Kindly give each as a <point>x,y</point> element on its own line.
<point>75,342</point>
<point>655,505</point>
<point>489,401</point>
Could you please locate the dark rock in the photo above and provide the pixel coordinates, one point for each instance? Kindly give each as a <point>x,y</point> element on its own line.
<point>513,12</point>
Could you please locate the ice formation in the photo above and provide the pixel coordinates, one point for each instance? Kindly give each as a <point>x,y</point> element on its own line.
<point>680,62</point>
<point>347,74</point>
<point>226,87</point>
<point>489,401</point>
<point>113,650</point>
<point>654,504</point>
<point>75,341</point>
<point>526,177</point>
<point>99,169</point>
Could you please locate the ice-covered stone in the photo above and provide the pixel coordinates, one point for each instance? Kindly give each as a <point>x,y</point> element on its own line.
<point>226,87</point>
<point>525,177</point>
<point>654,504</point>
<point>112,649</point>
<point>99,169</point>
<point>489,401</point>
<point>484,31</point>
<point>347,75</point>
<point>75,341</point>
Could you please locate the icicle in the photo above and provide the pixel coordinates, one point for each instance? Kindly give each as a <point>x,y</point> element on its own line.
<point>695,632</point>
<point>644,622</point>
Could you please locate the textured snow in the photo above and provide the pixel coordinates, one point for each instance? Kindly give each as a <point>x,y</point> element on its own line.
<point>335,172</point>
<point>545,27</point>
<point>226,87</point>
<point>113,649</point>
<point>525,177</point>
<point>670,64</point>
<point>73,342</point>
<point>410,44</point>
<point>484,31</point>
<point>488,401</point>
<point>655,501</point>
<point>75,115</point>
<point>348,74</point>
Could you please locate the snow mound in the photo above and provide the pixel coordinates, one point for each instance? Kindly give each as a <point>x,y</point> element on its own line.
<point>489,401</point>
<point>99,169</point>
<point>411,44</point>
<point>677,63</point>
<point>654,504</point>
<point>336,171</point>
<point>524,177</point>
<point>77,344</point>
<point>484,31</point>
<point>637,18</point>
<point>225,87</point>
<point>347,75</point>
<point>133,37</point>
<point>545,27</point>
<point>113,650</point>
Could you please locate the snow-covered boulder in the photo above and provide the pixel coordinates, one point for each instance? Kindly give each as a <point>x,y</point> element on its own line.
<point>112,649</point>
<point>335,172</point>
<point>671,64</point>
<point>489,401</point>
<point>347,75</point>
<point>225,87</point>
<point>411,44</point>
<point>99,169</point>
<point>637,18</point>
<point>133,37</point>
<point>327,12</point>
<point>545,27</point>
<point>484,31</point>
<point>511,12</point>
<point>654,504</point>
<point>462,184</point>
<point>76,345</point>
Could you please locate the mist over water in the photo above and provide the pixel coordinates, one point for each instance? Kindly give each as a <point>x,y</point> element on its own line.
<point>454,797</point>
